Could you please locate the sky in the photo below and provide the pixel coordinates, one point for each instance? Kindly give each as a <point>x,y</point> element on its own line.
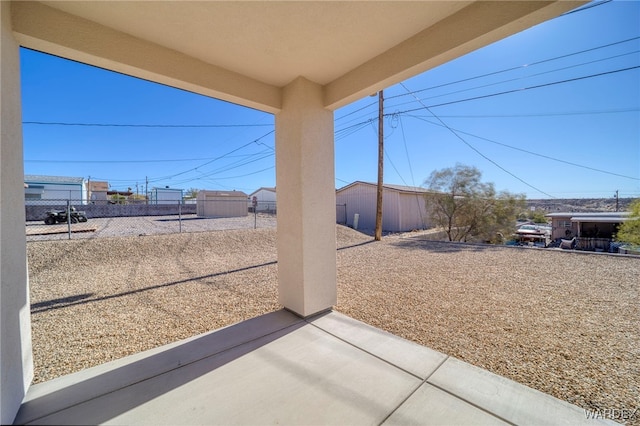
<point>551,112</point>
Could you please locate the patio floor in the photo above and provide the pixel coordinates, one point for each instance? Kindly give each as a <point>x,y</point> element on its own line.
<point>281,369</point>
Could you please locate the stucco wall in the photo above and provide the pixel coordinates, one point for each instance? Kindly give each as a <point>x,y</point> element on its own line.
<point>16,368</point>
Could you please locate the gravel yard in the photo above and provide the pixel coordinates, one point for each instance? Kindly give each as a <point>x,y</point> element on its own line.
<point>145,225</point>
<point>564,323</point>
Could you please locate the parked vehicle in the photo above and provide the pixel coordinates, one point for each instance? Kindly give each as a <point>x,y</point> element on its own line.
<point>60,216</point>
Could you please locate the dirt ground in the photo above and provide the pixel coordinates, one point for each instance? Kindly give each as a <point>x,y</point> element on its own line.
<point>564,323</point>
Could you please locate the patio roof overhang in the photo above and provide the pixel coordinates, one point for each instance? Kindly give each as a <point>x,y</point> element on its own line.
<point>297,60</point>
<point>246,52</point>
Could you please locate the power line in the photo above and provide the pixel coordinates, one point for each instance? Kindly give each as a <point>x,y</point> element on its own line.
<point>530,152</point>
<point>525,77</point>
<point>585,7</point>
<point>168,177</point>
<point>480,153</point>
<point>522,89</point>
<point>510,69</point>
<point>178,160</point>
<point>516,68</point>
<point>542,114</point>
<point>52,123</point>
<point>214,159</point>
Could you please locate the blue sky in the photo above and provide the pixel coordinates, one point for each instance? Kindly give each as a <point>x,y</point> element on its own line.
<point>553,111</point>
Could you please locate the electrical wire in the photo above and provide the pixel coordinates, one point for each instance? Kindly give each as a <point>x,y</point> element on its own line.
<point>541,114</point>
<point>178,160</point>
<point>169,177</point>
<point>531,152</point>
<point>52,123</point>
<point>585,7</point>
<point>480,153</point>
<point>522,89</point>
<point>503,92</point>
<point>214,159</point>
<point>515,68</point>
<point>521,78</point>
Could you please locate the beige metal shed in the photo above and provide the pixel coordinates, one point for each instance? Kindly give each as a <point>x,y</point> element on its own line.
<point>221,204</point>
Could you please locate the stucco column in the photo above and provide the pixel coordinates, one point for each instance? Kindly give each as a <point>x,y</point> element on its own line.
<point>306,200</point>
<point>16,367</point>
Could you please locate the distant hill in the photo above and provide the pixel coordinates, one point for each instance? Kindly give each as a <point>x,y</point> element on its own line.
<point>587,205</point>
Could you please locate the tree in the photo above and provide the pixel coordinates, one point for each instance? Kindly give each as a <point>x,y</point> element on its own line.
<point>629,231</point>
<point>118,199</point>
<point>469,209</point>
<point>191,193</point>
<point>538,217</point>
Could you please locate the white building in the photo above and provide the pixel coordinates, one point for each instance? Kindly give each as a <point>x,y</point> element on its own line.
<point>40,189</point>
<point>165,196</point>
<point>403,207</point>
<point>266,199</point>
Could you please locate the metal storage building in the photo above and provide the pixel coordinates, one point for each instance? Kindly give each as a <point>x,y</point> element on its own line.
<point>403,207</point>
<point>52,190</point>
<point>221,204</point>
<point>165,196</point>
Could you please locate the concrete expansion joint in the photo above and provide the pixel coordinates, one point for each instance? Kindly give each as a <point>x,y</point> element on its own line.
<point>466,401</point>
<point>368,352</point>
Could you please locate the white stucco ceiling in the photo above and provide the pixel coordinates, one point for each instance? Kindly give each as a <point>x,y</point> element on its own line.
<point>246,51</point>
<point>273,42</point>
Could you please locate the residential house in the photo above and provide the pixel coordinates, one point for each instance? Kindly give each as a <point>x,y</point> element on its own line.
<point>593,231</point>
<point>98,192</point>
<point>403,207</point>
<point>593,225</point>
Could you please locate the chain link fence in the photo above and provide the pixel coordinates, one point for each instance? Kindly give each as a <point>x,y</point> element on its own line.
<point>72,219</point>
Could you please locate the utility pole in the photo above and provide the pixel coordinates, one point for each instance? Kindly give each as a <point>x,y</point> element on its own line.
<point>146,190</point>
<point>378,232</point>
<point>617,203</point>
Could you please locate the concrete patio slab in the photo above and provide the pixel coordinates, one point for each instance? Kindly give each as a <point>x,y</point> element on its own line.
<point>411,357</point>
<point>279,368</point>
<point>430,405</point>
<point>66,391</point>
<point>509,400</point>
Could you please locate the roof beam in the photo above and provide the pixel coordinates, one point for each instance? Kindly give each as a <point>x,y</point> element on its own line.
<point>40,27</point>
<point>477,25</point>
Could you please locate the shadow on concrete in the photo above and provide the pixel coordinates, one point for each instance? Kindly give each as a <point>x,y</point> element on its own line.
<point>76,398</point>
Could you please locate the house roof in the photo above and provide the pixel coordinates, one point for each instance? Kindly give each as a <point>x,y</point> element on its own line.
<point>166,189</point>
<point>600,217</point>
<point>225,193</point>
<point>263,188</point>
<point>350,48</point>
<point>61,180</point>
<point>399,188</point>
